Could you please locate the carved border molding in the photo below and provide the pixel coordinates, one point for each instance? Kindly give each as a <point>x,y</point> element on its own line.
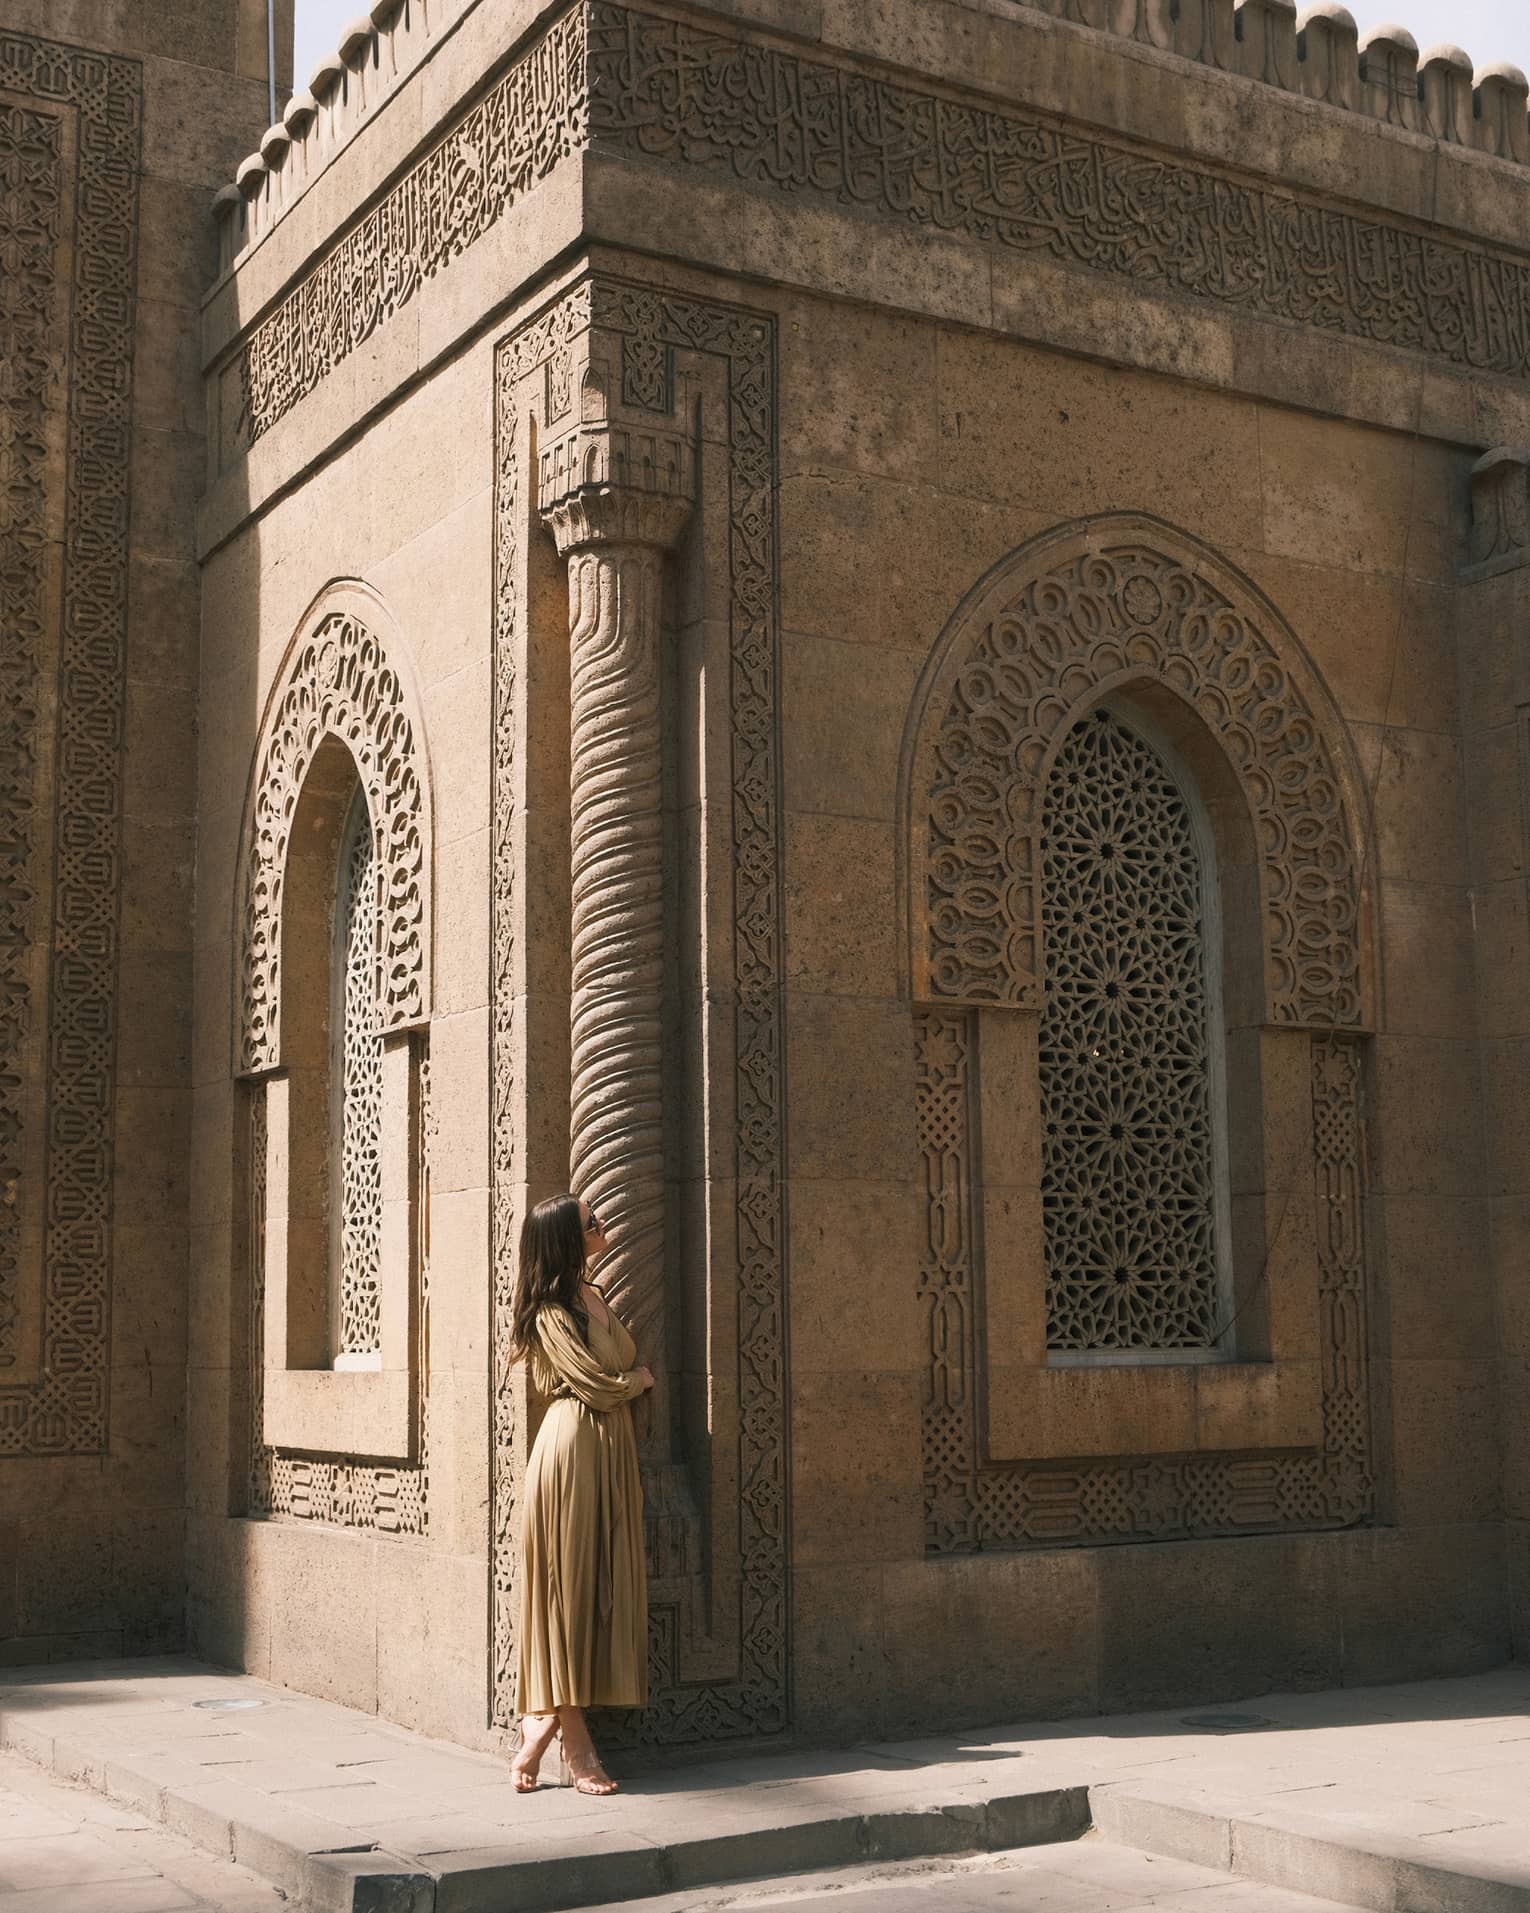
<point>652,326</point>
<point>339,681</point>
<point>1066,618</point>
<point>667,90</point>
<point>704,98</point>
<point>66,1412</point>
<point>971,1504</point>
<point>513,137</point>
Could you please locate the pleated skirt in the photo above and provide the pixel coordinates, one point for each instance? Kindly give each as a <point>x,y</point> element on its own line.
<point>584,1593</point>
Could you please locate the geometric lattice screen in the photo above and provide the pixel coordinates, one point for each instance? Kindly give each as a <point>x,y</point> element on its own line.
<point>1129,1159</point>
<point>356,1090</point>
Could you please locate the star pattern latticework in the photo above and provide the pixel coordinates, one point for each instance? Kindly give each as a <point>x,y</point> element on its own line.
<point>1127,1155</point>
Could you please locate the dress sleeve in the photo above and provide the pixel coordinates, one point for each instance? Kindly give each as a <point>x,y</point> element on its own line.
<point>577,1368</point>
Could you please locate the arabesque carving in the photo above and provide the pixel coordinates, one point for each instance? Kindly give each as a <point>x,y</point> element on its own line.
<point>974,1504</point>
<point>743,341</point>
<point>1074,614</point>
<point>67,352</point>
<point>339,682</point>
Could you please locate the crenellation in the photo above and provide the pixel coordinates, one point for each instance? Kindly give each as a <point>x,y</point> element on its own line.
<point>377,50</point>
<point>1328,55</point>
<point>1445,94</point>
<point>1502,125</point>
<point>1266,31</point>
<point>1389,82</point>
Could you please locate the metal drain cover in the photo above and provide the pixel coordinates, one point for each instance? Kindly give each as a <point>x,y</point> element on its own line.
<point>229,1706</point>
<point>1226,1723</point>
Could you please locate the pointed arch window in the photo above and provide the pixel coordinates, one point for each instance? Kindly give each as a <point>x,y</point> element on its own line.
<point>1135,1207</point>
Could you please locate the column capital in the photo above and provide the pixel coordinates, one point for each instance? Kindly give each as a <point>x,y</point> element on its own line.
<point>608,483</point>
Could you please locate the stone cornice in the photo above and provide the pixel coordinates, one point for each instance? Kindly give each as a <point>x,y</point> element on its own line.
<point>715,101</point>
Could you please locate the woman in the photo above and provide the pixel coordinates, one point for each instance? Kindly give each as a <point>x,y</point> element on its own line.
<point>584,1593</point>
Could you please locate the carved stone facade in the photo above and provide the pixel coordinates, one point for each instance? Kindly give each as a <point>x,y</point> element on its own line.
<point>717,544</point>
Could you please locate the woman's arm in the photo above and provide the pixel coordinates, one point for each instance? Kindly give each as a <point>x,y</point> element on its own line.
<point>574,1365</point>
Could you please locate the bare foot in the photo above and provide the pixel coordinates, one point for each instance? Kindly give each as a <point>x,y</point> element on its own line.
<point>533,1736</point>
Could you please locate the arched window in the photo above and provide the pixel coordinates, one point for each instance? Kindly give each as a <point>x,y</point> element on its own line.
<point>1135,1208</point>
<point>356,1104</point>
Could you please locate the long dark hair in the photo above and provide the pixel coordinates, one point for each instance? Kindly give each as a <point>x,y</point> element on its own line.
<point>550,1268</point>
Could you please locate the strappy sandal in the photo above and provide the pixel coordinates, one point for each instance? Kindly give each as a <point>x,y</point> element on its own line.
<point>585,1782</point>
<point>524,1778</point>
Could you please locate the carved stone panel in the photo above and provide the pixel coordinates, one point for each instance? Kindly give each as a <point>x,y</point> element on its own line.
<point>339,682</point>
<point>1063,620</point>
<point>973,1503</point>
<point>70,134</point>
<point>652,327</point>
<point>704,98</point>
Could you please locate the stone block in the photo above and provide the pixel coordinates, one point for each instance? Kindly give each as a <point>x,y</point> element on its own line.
<point>323,1613</point>
<point>1338,494</point>
<point>1044,427</point>
<point>1509,1227</point>
<point>1427,959</point>
<point>842,920</point>
<point>1421,1603</point>
<point>1426,1125</point>
<point>1437,1295</point>
<point>1418,807</point>
<point>1493,790</point>
<point>1445,1442</point>
<point>859,394</point>
<point>154,1019</point>
<point>855,1487</point>
<point>1505,1118</point>
<point>844,713</point>
<point>1502,922</point>
<point>989,1636</point>
<point>848,1311</point>
<point>851,1067</point>
<point>839,1662</point>
<point>459,1048</point>
<point>149,1302</point>
<point>1216,1620</point>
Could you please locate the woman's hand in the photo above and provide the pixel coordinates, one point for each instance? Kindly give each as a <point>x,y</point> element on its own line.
<point>645,1376</point>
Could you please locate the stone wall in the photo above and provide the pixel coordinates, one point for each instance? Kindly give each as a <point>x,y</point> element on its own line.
<point>117,131</point>
<point>803,361</point>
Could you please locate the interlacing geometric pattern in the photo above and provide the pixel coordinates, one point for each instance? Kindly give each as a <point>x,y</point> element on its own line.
<point>1126,1144</point>
<point>1094,606</point>
<point>358,1083</point>
<point>66,387</point>
<point>653,324</point>
<point>973,1504</point>
<point>339,683</point>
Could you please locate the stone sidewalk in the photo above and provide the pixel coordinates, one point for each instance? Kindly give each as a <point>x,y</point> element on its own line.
<point>1408,1796</point>
<point>65,1849</point>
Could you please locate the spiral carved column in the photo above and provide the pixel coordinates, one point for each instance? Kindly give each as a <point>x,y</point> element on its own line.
<point>615,501</point>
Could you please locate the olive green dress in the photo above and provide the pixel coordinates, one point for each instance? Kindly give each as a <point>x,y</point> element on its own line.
<point>584,1590</point>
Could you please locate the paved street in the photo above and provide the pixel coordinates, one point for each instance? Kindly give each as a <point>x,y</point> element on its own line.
<point>1090,1875</point>
<point>65,1849</point>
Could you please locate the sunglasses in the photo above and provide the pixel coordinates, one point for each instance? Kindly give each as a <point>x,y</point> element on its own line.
<point>592,1227</point>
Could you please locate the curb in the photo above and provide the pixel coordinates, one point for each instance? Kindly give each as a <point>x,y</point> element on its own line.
<point>1390,1873</point>
<point>312,1860</point>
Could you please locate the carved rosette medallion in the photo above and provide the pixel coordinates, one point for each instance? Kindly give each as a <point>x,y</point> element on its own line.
<point>70,138</point>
